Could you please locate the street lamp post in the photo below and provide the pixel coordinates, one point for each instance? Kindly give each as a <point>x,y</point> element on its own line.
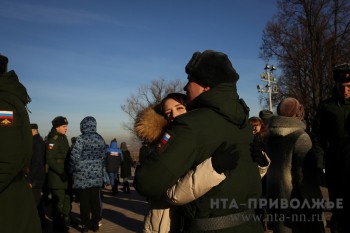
<point>270,88</point>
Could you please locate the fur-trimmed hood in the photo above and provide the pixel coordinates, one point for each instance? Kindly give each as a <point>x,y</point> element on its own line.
<point>150,125</point>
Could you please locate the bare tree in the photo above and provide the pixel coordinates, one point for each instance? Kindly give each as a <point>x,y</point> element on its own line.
<point>307,38</point>
<point>148,95</point>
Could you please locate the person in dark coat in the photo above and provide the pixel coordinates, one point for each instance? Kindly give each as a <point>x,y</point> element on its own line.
<point>328,135</point>
<point>346,176</point>
<point>265,116</point>
<point>218,116</point>
<point>73,140</point>
<point>86,164</point>
<point>18,213</point>
<point>125,172</point>
<point>113,162</point>
<point>150,126</point>
<point>144,151</point>
<point>73,195</point>
<point>56,153</point>
<point>36,171</point>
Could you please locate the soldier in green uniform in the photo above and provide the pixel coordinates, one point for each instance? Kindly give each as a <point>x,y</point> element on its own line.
<point>219,116</point>
<point>57,151</point>
<point>18,212</point>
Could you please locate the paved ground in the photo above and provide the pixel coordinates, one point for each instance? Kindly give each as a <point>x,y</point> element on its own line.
<point>124,213</point>
<point>121,213</point>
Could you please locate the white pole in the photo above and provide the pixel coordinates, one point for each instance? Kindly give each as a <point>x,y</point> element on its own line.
<point>269,90</point>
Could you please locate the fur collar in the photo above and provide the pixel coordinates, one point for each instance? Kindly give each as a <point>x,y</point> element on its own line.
<point>150,125</point>
<point>281,125</point>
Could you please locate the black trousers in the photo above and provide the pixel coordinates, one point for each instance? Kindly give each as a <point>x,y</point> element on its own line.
<point>90,203</point>
<point>39,203</point>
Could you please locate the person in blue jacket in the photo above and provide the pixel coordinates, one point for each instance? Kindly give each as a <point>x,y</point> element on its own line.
<point>113,162</point>
<point>86,164</point>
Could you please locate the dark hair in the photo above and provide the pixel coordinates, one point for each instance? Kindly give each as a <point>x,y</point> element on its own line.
<point>257,121</point>
<point>178,97</point>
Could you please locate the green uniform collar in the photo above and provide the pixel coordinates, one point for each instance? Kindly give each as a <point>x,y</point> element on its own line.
<point>224,100</point>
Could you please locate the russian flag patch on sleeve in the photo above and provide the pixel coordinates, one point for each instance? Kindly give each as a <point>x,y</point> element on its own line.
<point>6,118</point>
<point>165,138</point>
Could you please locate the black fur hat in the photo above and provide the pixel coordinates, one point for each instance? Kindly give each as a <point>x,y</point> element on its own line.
<point>265,114</point>
<point>341,73</point>
<point>211,68</point>
<point>34,126</point>
<point>3,63</point>
<point>58,121</point>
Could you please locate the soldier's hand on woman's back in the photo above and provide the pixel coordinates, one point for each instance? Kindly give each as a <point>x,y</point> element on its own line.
<point>224,159</point>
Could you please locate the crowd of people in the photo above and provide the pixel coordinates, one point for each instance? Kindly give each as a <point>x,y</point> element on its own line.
<point>291,160</point>
<point>216,168</point>
<point>37,171</point>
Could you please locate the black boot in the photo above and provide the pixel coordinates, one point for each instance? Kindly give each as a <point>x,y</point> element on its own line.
<point>127,187</point>
<point>84,229</point>
<point>59,224</point>
<point>118,180</point>
<point>95,227</point>
<point>115,189</point>
<point>124,186</point>
<point>66,220</point>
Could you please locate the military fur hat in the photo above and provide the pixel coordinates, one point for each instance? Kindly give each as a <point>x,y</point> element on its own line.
<point>341,73</point>
<point>34,126</point>
<point>265,114</point>
<point>58,121</point>
<point>211,68</point>
<point>3,63</point>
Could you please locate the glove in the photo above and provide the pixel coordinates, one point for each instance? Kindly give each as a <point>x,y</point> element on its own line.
<point>256,152</point>
<point>225,159</point>
<point>63,176</point>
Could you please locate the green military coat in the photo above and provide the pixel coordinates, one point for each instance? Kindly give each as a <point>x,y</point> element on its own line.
<point>329,133</point>
<point>219,116</point>
<point>57,151</point>
<point>329,130</point>
<point>18,211</point>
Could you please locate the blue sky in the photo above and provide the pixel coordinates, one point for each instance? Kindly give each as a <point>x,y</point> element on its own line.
<point>85,57</point>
